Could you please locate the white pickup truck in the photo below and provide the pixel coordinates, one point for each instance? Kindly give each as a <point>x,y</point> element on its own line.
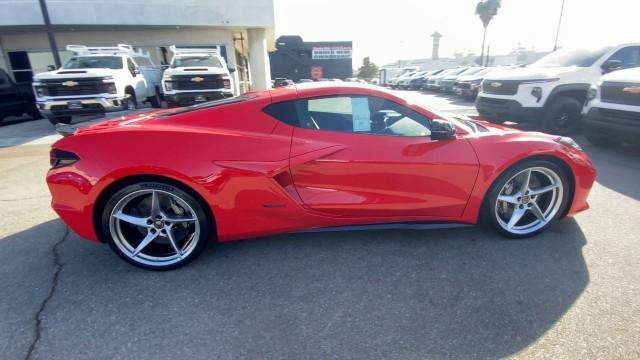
<point>97,80</point>
<point>552,90</point>
<point>196,75</point>
<point>612,109</point>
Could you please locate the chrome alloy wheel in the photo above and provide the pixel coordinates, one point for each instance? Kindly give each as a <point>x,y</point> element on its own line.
<point>154,227</point>
<point>529,200</point>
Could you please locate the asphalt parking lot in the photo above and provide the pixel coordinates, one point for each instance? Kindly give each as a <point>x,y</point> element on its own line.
<point>570,293</point>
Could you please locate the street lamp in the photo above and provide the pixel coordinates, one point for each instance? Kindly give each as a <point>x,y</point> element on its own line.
<point>555,46</point>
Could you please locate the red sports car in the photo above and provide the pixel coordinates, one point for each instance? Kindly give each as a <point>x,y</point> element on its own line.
<point>158,186</point>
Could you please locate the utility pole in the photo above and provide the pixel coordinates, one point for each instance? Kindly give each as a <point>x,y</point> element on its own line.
<point>49,29</point>
<point>488,50</point>
<point>555,46</point>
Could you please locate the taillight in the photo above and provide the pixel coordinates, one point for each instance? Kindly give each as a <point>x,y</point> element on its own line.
<point>60,158</point>
<point>227,83</point>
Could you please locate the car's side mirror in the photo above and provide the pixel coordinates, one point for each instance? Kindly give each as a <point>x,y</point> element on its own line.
<point>51,67</point>
<point>611,65</point>
<point>232,70</point>
<point>442,130</point>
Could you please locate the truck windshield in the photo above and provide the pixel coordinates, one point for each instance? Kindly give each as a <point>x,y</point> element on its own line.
<point>208,61</point>
<point>94,62</point>
<point>575,57</point>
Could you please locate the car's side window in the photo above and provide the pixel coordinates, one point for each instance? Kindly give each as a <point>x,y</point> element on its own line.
<point>132,67</point>
<point>629,56</point>
<point>352,114</point>
<point>390,118</point>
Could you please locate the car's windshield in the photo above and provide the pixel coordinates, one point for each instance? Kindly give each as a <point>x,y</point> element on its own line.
<point>471,71</point>
<point>208,61</point>
<point>94,62</point>
<point>573,57</point>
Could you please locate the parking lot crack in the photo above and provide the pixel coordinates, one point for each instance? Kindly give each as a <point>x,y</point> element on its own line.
<point>57,263</point>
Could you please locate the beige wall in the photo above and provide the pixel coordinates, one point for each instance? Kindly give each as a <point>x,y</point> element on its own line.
<point>146,39</point>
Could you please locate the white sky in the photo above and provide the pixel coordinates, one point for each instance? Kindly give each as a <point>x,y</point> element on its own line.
<point>388,30</point>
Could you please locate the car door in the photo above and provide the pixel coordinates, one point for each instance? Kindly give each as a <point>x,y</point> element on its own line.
<point>139,82</point>
<point>355,155</point>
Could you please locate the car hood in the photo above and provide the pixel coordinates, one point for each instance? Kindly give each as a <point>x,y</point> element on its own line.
<point>533,73</point>
<point>195,70</point>
<point>75,74</point>
<point>469,78</point>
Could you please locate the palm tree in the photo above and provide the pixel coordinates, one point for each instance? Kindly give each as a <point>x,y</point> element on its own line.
<point>486,10</point>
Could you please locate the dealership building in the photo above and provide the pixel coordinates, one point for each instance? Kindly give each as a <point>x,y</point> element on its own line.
<point>296,59</point>
<point>244,30</point>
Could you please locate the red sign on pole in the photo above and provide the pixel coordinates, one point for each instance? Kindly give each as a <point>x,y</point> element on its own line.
<point>316,72</point>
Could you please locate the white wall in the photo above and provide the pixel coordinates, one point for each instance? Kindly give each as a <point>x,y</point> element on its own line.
<point>146,39</point>
<point>223,13</point>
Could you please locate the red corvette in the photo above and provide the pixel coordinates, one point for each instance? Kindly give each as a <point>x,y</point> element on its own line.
<point>156,187</point>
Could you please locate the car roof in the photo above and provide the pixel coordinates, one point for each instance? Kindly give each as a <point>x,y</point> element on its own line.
<point>324,89</point>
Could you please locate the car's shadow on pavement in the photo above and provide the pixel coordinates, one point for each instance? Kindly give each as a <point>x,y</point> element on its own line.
<point>463,293</point>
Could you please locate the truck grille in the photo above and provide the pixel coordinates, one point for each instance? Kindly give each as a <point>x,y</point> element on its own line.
<point>621,93</point>
<point>197,82</point>
<point>500,87</point>
<point>73,87</point>
<point>492,101</point>
<point>620,114</point>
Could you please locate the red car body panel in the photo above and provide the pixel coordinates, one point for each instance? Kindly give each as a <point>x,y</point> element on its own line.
<point>260,176</point>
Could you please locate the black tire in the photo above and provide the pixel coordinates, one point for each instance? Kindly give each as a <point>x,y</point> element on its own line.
<point>130,102</point>
<point>600,139</point>
<point>154,100</point>
<point>563,116</point>
<point>203,225</point>
<point>489,213</point>
<point>59,120</point>
<point>34,112</point>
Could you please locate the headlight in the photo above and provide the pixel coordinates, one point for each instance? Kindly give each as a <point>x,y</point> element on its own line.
<point>107,78</point>
<point>568,142</point>
<point>110,88</point>
<point>168,85</point>
<point>592,93</point>
<point>39,90</point>
<point>539,81</point>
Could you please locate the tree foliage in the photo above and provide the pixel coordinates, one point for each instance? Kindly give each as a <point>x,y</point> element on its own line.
<point>487,9</point>
<point>368,70</point>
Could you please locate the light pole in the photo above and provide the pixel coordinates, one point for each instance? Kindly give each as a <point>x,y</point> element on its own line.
<point>52,39</point>
<point>555,46</point>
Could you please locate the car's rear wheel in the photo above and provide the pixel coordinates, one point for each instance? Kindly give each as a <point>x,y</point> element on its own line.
<point>154,225</point>
<point>527,198</point>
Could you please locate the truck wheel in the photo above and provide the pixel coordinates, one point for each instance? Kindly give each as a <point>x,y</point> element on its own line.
<point>155,100</point>
<point>563,116</point>
<point>603,140</point>
<point>129,103</point>
<point>35,113</point>
<point>59,120</point>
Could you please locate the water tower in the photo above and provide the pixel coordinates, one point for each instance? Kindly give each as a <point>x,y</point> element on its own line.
<point>435,52</point>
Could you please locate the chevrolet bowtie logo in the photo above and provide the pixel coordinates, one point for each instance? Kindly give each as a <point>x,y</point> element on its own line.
<point>197,79</point>
<point>69,83</point>
<point>496,84</point>
<point>632,90</point>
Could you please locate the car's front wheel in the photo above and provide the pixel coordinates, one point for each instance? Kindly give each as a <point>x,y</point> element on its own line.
<point>154,225</point>
<point>527,198</point>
